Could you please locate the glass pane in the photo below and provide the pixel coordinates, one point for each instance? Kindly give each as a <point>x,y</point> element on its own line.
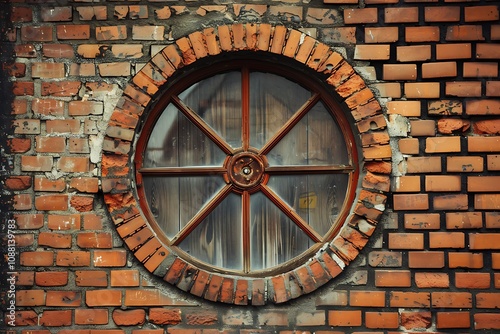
<point>217,100</point>
<point>175,200</point>
<point>315,140</point>
<point>273,100</point>
<point>218,239</point>
<point>176,142</point>
<point>316,198</point>
<point>274,238</point>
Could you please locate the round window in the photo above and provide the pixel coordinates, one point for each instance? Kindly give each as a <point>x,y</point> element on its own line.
<point>246,168</point>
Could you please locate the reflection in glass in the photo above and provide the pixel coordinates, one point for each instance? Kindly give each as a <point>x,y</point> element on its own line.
<point>217,100</point>
<point>218,239</point>
<point>273,100</point>
<point>176,142</point>
<point>274,238</point>
<point>316,198</point>
<point>174,201</point>
<point>315,140</point>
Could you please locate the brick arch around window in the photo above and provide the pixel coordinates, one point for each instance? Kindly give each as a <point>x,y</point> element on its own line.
<point>332,259</point>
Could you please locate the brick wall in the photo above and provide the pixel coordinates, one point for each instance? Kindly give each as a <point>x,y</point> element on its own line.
<point>433,262</point>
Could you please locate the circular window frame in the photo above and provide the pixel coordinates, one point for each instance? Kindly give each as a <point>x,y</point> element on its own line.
<point>252,62</point>
<point>369,128</point>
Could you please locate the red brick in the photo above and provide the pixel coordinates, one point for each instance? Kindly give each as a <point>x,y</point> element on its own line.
<point>461,220</point>
<point>56,318</point>
<point>60,88</point>
<point>423,127</point>
<point>367,298</point>
<point>446,240</point>
<point>85,108</point>
<point>483,107</point>
<point>419,90</point>
<point>401,15</point>
<point>416,319</point>
<point>36,34</point>
<point>392,278</point>
<point>453,51</point>
<point>410,202</point>
<point>486,321</point>
<point>472,280</point>
<point>487,201</point>
<point>406,241</point>
<point>51,278</point>
<point>413,53</point>
<point>360,15</point>
<point>439,70</point>
<point>492,219</point>
<point>23,88</point>
<point>464,33</point>
<point>476,69</point>
<point>56,14</point>
<point>421,34</point>
<point>54,240</point>
<point>432,280</point>
<point>21,14</point>
<point>464,164</point>
<point>64,222</point>
<point>407,183</point>
<point>103,297</point>
<point>91,316</point>
<point>28,221</point>
<point>63,298</point>
<point>490,127</point>
<point>483,144</point>
<point>95,278</point>
<point>74,164</point>
<point>73,258</point>
<point>43,184</point>
<point>85,184</point>
<point>18,145</point>
<point>78,145</point>
<point>487,51</point>
<point>409,145</point>
<point>48,107</point>
<point>110,258</point>
<point>349,318</point>
<point>426,259</point>
<point>452,320</point>
<point>451,299</point>
<point>483,183</point>
<point>48,70</point>
<point>19,182</point>
<point>399,72</point>
<point>161,316</point>
<point>463,88</point>
<point>111,33</point>
<point>409,299</point>
<point>129,317</point>
<point>36,259</point>
<point>481,13</point>
<point>372,52</point>
<point>451,125</point>
<point>62,126</point>
<point>482,241</point>
<point>26,126</point>
<point>50,144</point>
<point>58,51</point>
<point>381,34</point>
<point>488,300</point>
<point>51,202</point>
<point>424,164</point>
<point>148,33</point>
<point>422,221</point>
<point>124,278</point>
<point>442,14</point>
<point>382,320</point>
<point>30,298</point>
<point>442,183</point>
